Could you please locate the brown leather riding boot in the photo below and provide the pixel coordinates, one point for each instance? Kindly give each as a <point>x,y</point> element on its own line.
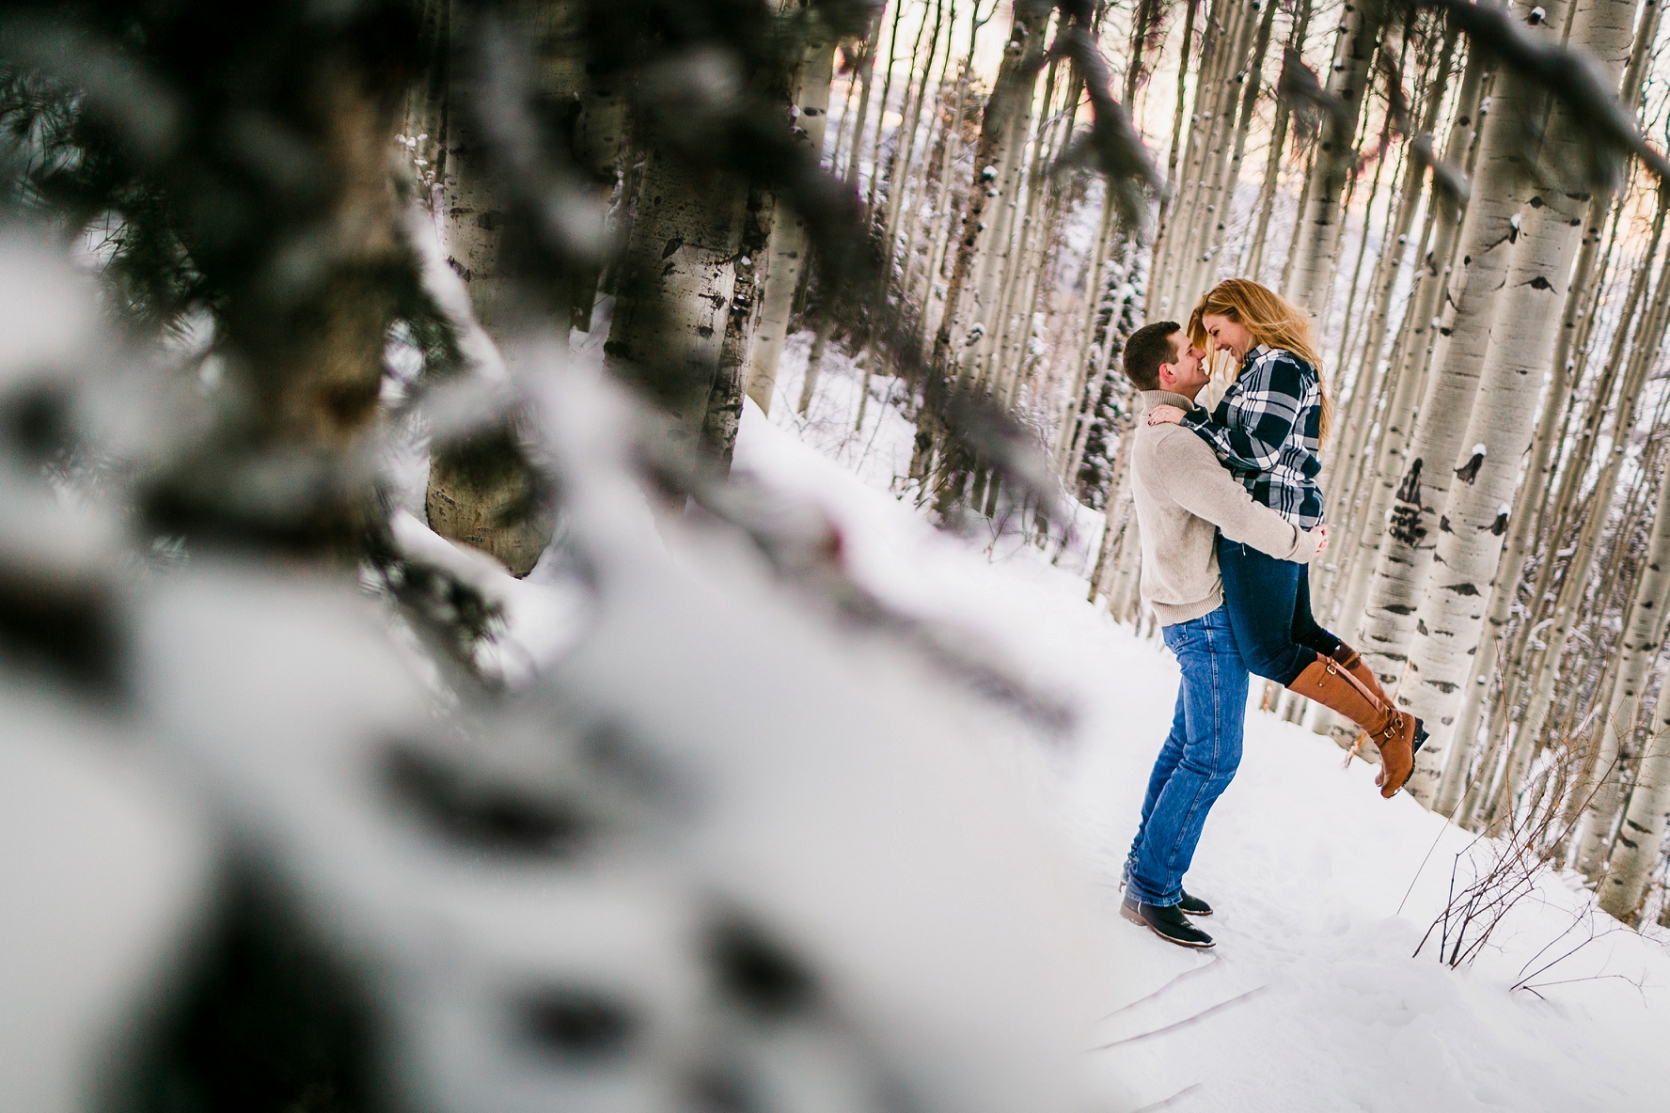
<point>1327,682</point>
<point>1352,662</point>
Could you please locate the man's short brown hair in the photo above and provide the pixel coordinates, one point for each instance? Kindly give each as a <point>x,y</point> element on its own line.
<point>1148,347</point>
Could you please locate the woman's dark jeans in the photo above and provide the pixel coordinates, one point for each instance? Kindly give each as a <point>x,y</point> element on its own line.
<point>1269,610</point>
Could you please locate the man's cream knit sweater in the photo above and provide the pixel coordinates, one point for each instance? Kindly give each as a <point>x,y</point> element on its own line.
<point>1184,497</point>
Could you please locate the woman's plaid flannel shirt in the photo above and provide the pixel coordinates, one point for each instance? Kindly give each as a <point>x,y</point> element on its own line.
<point>1267,429</point>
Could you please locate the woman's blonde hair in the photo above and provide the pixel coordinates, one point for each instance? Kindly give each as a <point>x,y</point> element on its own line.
<point>1271,319</point>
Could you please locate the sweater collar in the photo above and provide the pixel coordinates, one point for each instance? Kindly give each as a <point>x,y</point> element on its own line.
<point>1152,398</point>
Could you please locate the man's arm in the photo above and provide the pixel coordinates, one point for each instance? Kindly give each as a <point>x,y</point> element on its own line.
<point>1200,485</point>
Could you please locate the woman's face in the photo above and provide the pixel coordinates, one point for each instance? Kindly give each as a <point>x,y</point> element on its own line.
<point>1224,334</point>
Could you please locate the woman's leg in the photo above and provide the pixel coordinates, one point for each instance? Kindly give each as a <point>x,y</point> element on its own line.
<point>1306,630</point>
<point>1262,595</point>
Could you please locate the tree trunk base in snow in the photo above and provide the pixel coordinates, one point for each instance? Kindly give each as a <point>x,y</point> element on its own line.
<point>483,494</point>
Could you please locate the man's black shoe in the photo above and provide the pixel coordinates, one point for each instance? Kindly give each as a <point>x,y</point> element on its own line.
<point>1193,906</point>
<point>1168,923</point>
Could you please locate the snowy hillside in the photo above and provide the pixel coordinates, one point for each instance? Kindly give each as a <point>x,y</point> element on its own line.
<point>1314,998</point>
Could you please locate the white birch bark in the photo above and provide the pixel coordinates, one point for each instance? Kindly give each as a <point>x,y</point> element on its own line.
<point>786,257</point>
<point>1240,23</point>
<point>1180,222</point>
<point>674,296</point>
<point>1168,197</point>
<point>1409,373</point>
<point>1601,792</point>
<point>1488,232</point>
<point>1576,575</point>
<point>1635,850</point>
<point>1312,266</point>
<point>1545,237</point>
<point>1252,79</point>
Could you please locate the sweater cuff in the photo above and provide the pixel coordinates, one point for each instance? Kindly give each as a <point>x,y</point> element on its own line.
<point>1304,548</point>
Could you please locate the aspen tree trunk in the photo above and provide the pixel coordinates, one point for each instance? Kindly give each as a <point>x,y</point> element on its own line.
<point>1068,435</point>
<point>785,259</point>
<point>1181,172</point>
<point>1486,240</point>
<point>997,250</point>
<point>814,362</point>
<point>1636,849</point>
<point>1578,459</point>
<point>1321,218</point>
<point>904,154</point>
<point>1298,221</point>
<point>1239,99</point>
<point>1205,139</point>
<point>916,194</point>
<point>1475,516</point>
<point>1575,469</point>
<point>1142,23</point>
<point>861,117</point>
<point>1576,575</point>
<point>725,399</point>
<point>1169,197</point>
<point>1218,124</point>
<point>1409,373</point>
<point>1602,791</point>
<point>1525,517</point>
<point>953,147</point>
<point>1369,374</point>
<point>482,491</point>
<point>1253,80</point>
<point>881,116</point>
<point>1254,265</point>
<point>1272,160</point>
<point>1116,509</point>
<point>1343,474</point>
<point>1011,94</point>
<point>1598,792</point>
<point>1351,392</point>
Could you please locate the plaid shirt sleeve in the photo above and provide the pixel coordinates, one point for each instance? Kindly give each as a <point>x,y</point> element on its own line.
<point>1256,416</point>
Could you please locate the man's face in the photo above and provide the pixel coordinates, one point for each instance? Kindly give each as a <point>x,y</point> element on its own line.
<point>1186,374</point>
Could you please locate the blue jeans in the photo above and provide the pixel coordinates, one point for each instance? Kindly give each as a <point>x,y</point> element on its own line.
<point>1269,610</point>
<point>1198,760</point>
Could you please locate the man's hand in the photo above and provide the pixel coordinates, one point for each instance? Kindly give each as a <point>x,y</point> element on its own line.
<point>1165,415</point>
<point>1322,538</point>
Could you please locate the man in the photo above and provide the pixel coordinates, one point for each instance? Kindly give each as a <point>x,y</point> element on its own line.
<point>1183,498</point>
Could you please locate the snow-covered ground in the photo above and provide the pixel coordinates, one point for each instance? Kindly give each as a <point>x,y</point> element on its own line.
<point>1314,999</point>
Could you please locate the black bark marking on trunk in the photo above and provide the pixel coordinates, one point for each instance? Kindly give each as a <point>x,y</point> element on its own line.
<point>1469,471</point>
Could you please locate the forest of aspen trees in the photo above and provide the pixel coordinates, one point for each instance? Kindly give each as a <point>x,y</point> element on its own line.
<point>294,295</point>
<point>1474,225</point>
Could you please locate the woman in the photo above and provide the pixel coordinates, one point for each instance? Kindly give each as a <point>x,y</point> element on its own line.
<point>1267,428</point>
